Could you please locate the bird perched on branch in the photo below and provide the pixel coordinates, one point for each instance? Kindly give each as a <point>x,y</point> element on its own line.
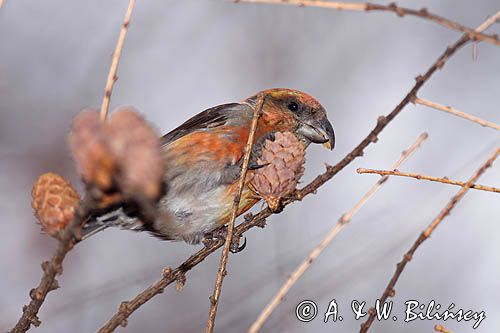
<point>204,157</point>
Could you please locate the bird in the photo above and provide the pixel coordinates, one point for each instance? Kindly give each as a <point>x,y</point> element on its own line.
<point>203,160</point>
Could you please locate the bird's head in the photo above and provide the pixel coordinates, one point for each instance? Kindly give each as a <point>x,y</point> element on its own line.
<point>305,116</point>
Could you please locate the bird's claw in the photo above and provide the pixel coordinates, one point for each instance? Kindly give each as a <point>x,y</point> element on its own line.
<point>220,234</point>
<point>256,166</point>
<point>211,237</point>
<point>235,244</point>
<point>208,242</point>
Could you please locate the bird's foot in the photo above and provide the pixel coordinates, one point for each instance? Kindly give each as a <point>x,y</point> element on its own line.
<point>220,234</point>
<point>213,236</point>
<point>235,244</point>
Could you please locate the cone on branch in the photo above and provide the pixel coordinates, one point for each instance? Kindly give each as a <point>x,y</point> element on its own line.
<point>137,149</point>
<point>88,143</point>
<point>54,201</point>
<point>121,158</point>
<point>283,159</point>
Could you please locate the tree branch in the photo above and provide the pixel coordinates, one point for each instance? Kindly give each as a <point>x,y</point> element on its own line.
<point>169,276</point>
<point>455,112</point>
<point>429,178</point>
<point>230,227</point>
<point>400,11</point>
<point>69,237</point>
<point>389,290</point>
<point>72,233</point>
<point>115,60</point>
<point>314,254</point>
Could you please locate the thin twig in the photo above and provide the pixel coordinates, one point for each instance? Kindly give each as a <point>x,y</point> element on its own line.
<point>429,178</point>
<point>458,113</point>
<point>69,236</point>
<point>389,290</point>
<point>170,276</point>
<point>313,255</point>
<point>383,121</point>
<point>72,233</point>
<point>400,11</point>
<point>214,300</point>
<point>115,60</point>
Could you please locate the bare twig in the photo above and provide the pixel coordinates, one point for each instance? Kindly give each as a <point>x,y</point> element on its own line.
<point>400,11</point>
<point>458,113</point>
<point>259,219</point>
<point>389,290</point>
<point>72,233</point>
<point>383,121</point>
<point>214,300</point>
<point>429,178</point>
<point>313,255</point>
<point>115,60</point>
<point>69,237</point>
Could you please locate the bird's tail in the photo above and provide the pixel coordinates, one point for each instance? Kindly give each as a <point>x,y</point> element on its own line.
<point>115,218</point>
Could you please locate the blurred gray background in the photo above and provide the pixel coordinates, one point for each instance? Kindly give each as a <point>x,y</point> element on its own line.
<point>181,57</point>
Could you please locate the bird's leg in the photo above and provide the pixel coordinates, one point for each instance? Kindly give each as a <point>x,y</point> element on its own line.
<point>221,234</point>
<point>216,234</point>
<point>212,236</point>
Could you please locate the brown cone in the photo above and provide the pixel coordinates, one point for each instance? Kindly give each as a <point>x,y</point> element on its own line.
<point>285,157</point>
<point>121,157</point>
<point>136,147</point>
<point>54,202</point>
<point>91,152</point>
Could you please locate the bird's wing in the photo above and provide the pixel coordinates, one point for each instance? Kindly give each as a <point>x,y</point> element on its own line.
<point>207,149</point>
<point>211,118</point>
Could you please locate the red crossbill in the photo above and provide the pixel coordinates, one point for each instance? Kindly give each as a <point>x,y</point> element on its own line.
<point>204,156</point>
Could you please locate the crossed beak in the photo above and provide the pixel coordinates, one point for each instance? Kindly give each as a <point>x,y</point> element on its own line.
<point>318,131</point>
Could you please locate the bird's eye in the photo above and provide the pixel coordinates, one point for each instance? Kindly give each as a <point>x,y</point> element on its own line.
<point>293,106</point>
